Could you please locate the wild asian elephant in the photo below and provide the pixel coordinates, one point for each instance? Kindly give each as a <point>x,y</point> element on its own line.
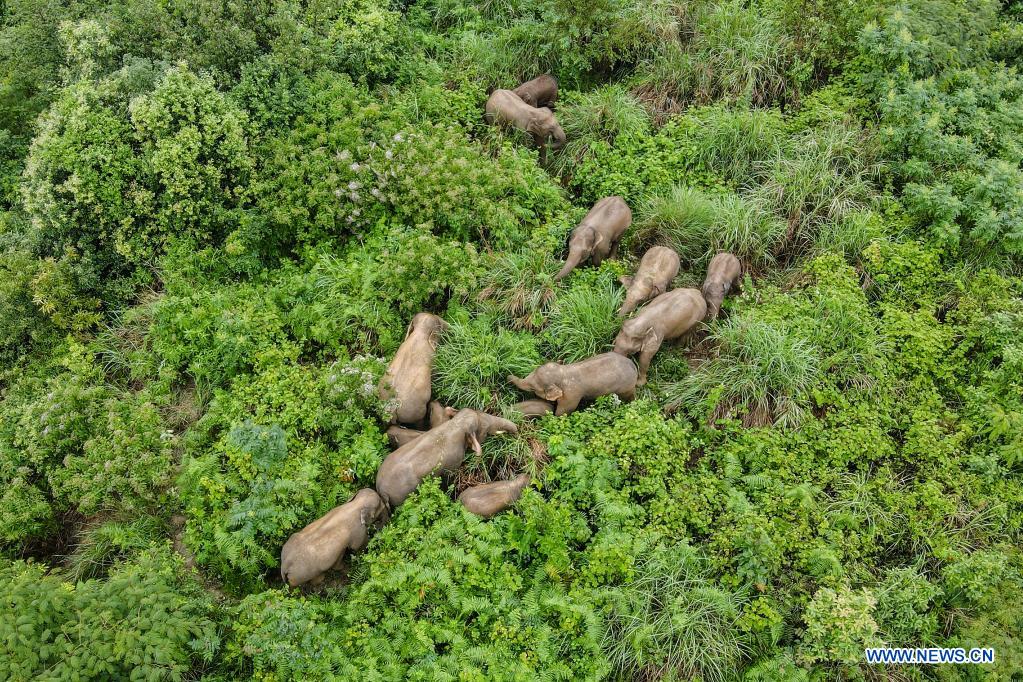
<point>657,268</point>
<point>669,316</point>
<point>505,108</point>
<point>489,499</point>
<point>722,273</point>
<point>542,91</point>
<point>530,409</point>
<point>399,435</point>
<point>597,236</point>
<point>407,379</point>
<point>438,451</point>
<point>569,384</point>
<point>322,545</point>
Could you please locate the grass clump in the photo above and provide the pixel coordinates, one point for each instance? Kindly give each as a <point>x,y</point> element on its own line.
<point>762,372</point>
<point>583,320</point>
<point>698,224</point>
<point>473,359</point>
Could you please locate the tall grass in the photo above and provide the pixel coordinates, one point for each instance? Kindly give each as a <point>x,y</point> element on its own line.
<point>762,373</point>
<point>671,622</point>
<point>823,177</point>
<point>583,320</point>
<point>735,143</point>
<point>734,53</point>
<point>698,224</point>
<point>474,357</point>
<point>520,286</point>
<point>600,115</point>
<point>101,546</point>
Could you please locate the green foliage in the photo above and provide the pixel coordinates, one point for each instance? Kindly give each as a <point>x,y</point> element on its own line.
<point>671,621</point>
<point>583,320</point>
<point>839,625</point>
<point>142,623</point>
<point>474,358</point>
<point>697,225</point>
<point>216,220</point>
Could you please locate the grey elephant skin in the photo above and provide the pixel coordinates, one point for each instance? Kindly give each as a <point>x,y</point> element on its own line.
<point>568,385</point>
<point>597,236</point>
<point>542,91</point>
<point>399,435</point>
<point>439,451</point>
<point>322,545</point>
<point>669,316</point>
<point>657,268</point>
<point>530,409</point>
<point>490,499</point>
<point>505,108</point>
<point>722,274</point>
<point>408,376</point>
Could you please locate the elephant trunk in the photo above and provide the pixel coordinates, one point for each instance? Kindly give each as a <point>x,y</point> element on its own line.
<point>575,257</point>
<point>519,383</point>
<point>628,306</point>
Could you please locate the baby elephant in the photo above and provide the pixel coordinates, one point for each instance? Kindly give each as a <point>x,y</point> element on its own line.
<point>533,408</point>
<point>506,108</point>
<point>722,273</point>
<point>321,545</point>
<point>542,91</point>
<point>490,499</point>
<point>657,268</point>
<point>591,378</point>
<point>438,451</point>
<point>399,435</point>
<point>668,316</point>
<point>408,376</point>
<point>597,236</point>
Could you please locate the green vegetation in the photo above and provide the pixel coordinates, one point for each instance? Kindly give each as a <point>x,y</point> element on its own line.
<point>217,219</point>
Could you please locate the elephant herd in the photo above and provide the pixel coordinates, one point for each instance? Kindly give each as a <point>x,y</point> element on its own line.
<point>436,439</point>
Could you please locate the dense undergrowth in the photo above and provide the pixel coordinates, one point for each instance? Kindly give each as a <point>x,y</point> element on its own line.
<point>216,220</point>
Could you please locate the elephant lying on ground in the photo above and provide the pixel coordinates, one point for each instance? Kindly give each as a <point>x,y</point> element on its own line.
<point>597,236</point>
<point>506,108</point>
<point>591,378</point>
<point>542,91</point>
<point>656,269</point>
<point>669,316</point>
<point>408,376</point>
<point>489,499</point>
<point>533,408</point>
<point>322,545</point>
<point>438,451</point>
<point>399,435</point>
<point>722,273</point>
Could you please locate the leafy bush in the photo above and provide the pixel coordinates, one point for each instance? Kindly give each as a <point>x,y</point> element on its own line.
<point>839,625</point>
<point>140,622</point>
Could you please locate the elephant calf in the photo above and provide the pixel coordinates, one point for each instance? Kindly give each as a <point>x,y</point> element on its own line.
<point>542,91</point>
<point>506,108</point>
<point>321,545</point>
<point>408,376</point>
<point>591,378</point>
<point>722,273</point>
<point>597,236</point>
<point>438,451</point>
<point>656,269</point>
<point>399,435</point>
<point>490,499</point>
<point>669,316</point>
<point>533,408</point>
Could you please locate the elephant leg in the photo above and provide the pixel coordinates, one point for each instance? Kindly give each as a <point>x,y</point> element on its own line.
<point>643,362</point>
<point>567,403</point>
<point>597,258</point>
<point>614,249</point>
<point>627,396</point>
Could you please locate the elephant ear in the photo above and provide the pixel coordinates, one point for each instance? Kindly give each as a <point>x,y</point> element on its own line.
<point>553,392</point>
<point>472,441</point>
<point>649,338</point>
